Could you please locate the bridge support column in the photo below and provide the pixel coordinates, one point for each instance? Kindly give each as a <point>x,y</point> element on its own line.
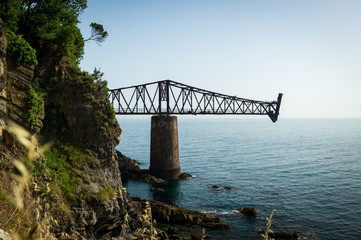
<point>164,153</point>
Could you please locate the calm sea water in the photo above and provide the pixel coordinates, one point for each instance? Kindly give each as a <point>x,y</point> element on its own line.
<point>309,170</point>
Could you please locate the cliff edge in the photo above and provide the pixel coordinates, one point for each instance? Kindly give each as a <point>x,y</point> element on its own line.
<point>75,188</point>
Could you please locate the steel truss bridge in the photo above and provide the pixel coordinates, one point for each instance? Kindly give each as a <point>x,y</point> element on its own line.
<point>170,97</point>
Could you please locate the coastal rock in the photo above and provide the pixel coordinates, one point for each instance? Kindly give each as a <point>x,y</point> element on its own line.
<point>75,109</point>
<point>283,235</point>
<point>172,230</point>
<point>77,112</point>
<point>157,190</point>
<point>164,213</point>
<point>184,176</point>
<point>248,211</point>
<point>130,170</point>
<point>219,187</point>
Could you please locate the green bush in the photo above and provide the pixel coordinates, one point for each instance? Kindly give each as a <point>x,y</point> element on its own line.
<point>35,107</point>
<point>102,83</point>
<point>21,51</point>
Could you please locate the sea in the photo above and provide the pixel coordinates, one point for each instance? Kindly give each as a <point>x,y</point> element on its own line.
<point>308,170</point>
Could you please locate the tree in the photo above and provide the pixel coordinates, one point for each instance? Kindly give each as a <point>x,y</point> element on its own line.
<point>50,22</point>
<point>98,33</point>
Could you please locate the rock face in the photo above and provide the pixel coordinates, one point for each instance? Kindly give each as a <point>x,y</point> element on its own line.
<point>182,216</point>
<point>77,111</point>
<point>15,84</point>
<point>94,219</point>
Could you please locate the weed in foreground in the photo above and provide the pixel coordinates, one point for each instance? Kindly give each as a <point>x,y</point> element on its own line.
<point>268,227</point>
<point>34,220</point>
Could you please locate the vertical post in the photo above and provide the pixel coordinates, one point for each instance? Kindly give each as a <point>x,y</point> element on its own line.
<point>164,152</point>
<point>167,86</point>
<point>160,92</point>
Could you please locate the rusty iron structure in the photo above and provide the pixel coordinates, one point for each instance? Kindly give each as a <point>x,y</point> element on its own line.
<point>169,97</point>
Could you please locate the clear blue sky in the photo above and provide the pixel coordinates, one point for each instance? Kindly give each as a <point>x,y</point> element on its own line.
<point>310,50</point>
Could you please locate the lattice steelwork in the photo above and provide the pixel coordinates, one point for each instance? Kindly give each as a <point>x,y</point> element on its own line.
<point>169,97</point>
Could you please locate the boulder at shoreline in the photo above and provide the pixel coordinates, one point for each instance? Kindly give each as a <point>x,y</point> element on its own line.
<point>164,213</point>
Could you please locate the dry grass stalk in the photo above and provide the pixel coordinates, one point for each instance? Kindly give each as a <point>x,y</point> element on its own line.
<point>268,227</point>
<point>36,216</point>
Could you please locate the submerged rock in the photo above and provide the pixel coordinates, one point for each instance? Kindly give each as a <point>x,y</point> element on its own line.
<point>219,187</point>
<point>248,211</point>
<point>157,190</point>
<point>172,230</point>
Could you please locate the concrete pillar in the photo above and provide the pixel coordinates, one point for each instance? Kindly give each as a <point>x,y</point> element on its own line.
<point>164,153</point>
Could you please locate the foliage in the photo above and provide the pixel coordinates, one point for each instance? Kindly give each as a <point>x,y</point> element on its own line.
<point>102,83</point>
<point>35,107</point>
<point>21,51</point>
<point>61,164</point>
<point>98,33</point>
<point>10,12</point>
<point>53,22</point>
<point>111,112</point>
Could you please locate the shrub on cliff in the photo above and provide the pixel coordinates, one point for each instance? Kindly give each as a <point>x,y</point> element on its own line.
<point>21,51</point>
<point>35,107</point>
<point>102,83</point>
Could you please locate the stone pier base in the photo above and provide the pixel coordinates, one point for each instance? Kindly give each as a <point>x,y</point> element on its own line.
<point>164,153</point>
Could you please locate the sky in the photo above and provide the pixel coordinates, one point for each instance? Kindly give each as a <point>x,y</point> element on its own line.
<point>309,50</point>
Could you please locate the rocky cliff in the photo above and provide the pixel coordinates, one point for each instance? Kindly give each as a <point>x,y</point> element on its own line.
<point>79,173</point>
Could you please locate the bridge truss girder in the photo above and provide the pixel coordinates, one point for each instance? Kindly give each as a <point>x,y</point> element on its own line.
<point>170,97</point>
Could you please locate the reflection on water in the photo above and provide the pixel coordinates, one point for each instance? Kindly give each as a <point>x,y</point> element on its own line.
<point>170,195</point>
